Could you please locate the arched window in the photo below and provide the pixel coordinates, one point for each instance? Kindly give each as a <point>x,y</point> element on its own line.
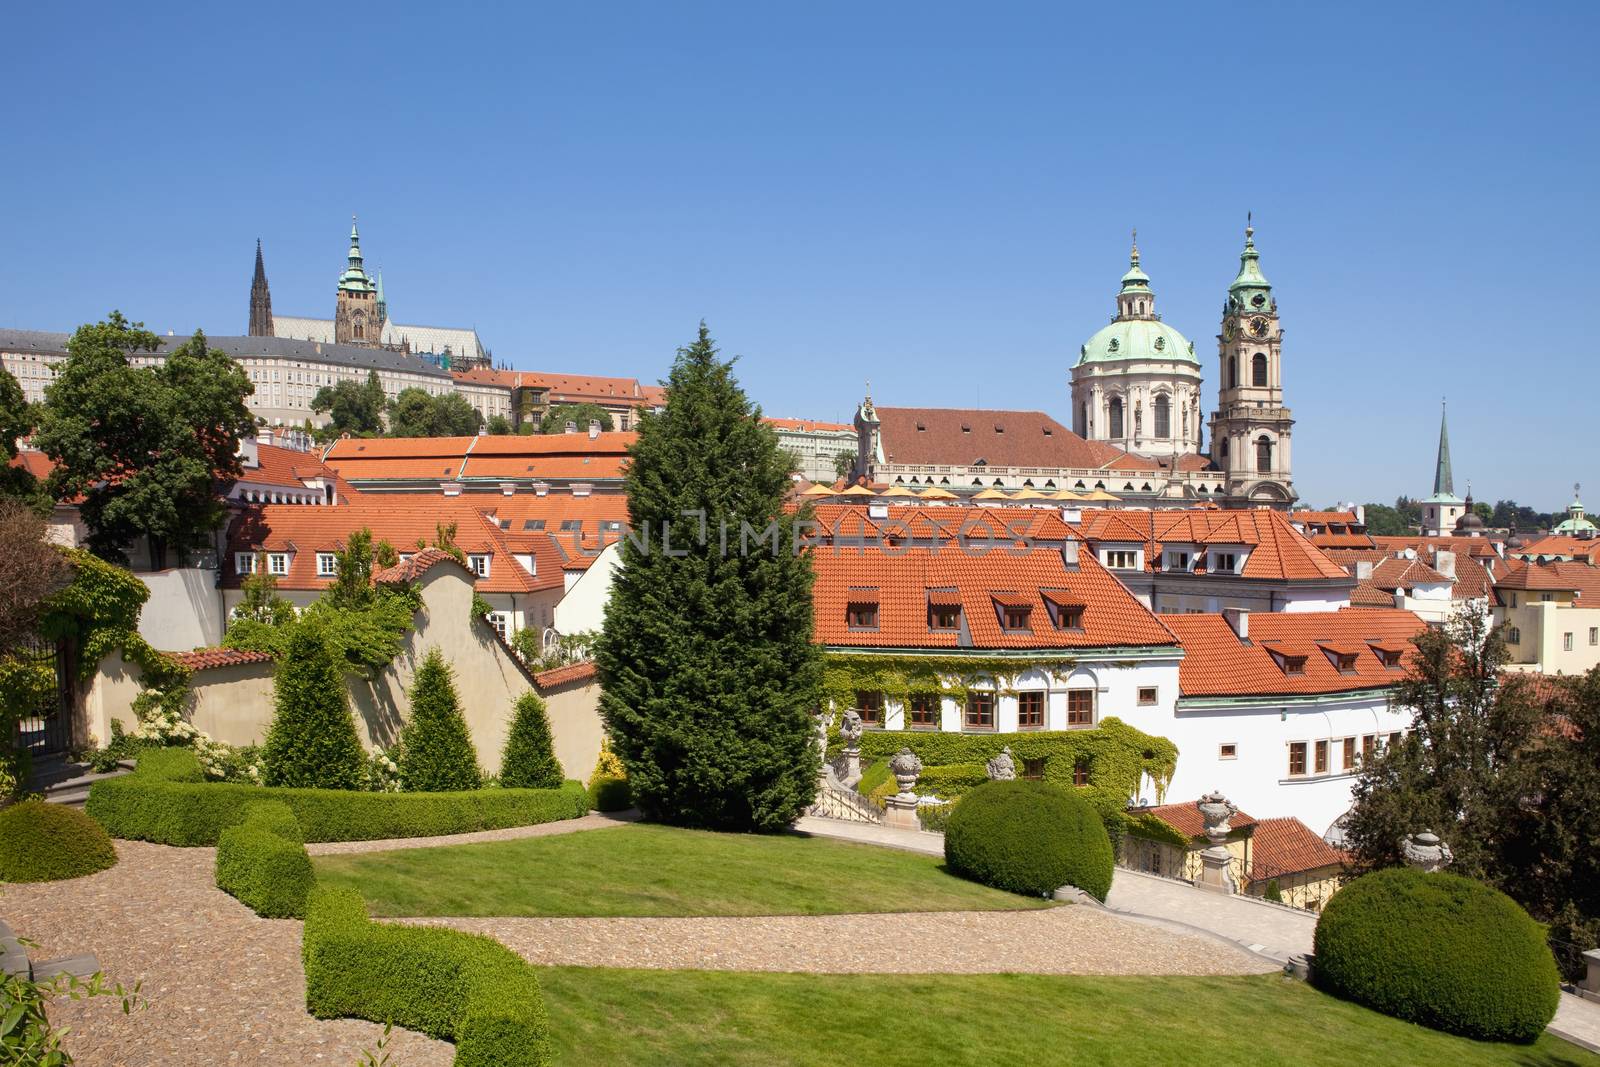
<point>1116,417</point>
<point>1163,417</point>
<point>1258,369</point>
<point>1264,455</point>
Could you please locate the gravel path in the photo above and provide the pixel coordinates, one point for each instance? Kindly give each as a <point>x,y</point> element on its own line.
<point>1066,940</point>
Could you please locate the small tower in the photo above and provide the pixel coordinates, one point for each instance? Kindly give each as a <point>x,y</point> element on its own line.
<point>1250,431</point>
<point>1441,510</point>
<point>260,299</point>
<point>383,305</point>
<point>355,317</point>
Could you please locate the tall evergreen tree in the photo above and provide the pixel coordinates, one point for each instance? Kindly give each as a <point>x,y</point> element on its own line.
<point>312,741</point>
<point>436,749</point>
<point>529,760</point>
<point>709,674</point>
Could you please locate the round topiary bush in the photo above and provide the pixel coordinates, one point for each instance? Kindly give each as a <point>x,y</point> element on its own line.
<point>610,794</point>
<point>1440,950</point>
<point>42,842</point>
<point>1029,837</point>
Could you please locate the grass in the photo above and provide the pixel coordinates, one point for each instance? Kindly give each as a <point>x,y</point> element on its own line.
<point>622,1018</point>
<point>657,870</point>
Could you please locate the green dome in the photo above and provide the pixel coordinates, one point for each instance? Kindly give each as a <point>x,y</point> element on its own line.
<point>1137,339</point>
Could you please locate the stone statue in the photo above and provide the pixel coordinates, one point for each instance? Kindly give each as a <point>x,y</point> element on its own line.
<point>1426,852</point>
<point>850,728</point>
<point>1002,768</point>
<point>906,767</point>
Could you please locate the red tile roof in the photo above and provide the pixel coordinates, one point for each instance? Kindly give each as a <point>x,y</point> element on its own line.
<point>285,467</point>
<point>1186,818</point>
<point>961,436</point>
<point>1461,546</point>
<point>1563,576</point>
<point>205,659</point>
<point>1563,545</point>
<point>1288,846</point>
<point>521,457</point>
<point>1217,663</point>
<point>576,672</point>
<point>409,570</point>
<point>807,424</point>
<point>1277,549</point>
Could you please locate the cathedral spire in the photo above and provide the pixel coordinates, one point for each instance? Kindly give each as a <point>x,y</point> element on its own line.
<point>1250,279</point>
<point>1135,300</point>
<point>355,279</point>
<point>1443,481</point>
<point>260,299</point>
<point>383,305</point>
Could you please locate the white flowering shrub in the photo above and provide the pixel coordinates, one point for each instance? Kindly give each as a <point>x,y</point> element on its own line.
<point>381,772</point>
<point>162,725</point>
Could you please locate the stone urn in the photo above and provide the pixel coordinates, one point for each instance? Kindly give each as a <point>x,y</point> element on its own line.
<point>1426,852</point>
<point>1216,863</point>
<point>1002,768</point>
<point>906,767</point>
<point>1216,810</point>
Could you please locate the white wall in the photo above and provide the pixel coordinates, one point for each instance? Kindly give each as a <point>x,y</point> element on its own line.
<point>184,610</point>
<point>1315,599</point>
<point>583,607</point>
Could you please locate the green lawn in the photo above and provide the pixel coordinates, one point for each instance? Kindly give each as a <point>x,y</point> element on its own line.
<point>657,870</point>
<point>623,1018</point>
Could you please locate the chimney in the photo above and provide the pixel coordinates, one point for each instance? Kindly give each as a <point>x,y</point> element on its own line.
<point>1069,553</point>
<point>1238,620</point>
<point>594,429</point>
<point>571,427</point>
<point>1363,569</point>
<point>249,452</point>
<point>1361,514</point>
<point>1072,516</point>
<point>1444,562</point>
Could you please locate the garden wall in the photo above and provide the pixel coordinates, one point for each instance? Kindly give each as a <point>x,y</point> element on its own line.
<point>184,610</point>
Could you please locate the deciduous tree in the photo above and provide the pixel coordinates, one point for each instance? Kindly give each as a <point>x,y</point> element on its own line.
<point>354,408</point>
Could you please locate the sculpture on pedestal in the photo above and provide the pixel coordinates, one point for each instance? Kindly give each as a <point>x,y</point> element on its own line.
<point>1216,871</point>
<point>850,730</point>
<point>900,810</point>
<point>1426,852</point>
<point>1002,768</point>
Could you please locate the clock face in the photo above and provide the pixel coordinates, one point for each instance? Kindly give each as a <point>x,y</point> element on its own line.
<point>1258,326</point>
<point>1229,328</point>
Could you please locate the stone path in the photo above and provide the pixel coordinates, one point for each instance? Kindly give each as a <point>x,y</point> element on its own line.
<point>1578,1021</point>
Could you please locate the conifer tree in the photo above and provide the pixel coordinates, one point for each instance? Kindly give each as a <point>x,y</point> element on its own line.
<point>708,672</point>
<point>313,740</point>
<point>436,750</point>
<point>529,760</point>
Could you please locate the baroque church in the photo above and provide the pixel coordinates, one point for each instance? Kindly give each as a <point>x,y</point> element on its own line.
<point>361,318</point>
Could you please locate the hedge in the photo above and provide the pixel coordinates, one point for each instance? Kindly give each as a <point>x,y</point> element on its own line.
<point>42,842</point>
<point>263,862</point>
<point>1029,837</point>
<point>610,794</point>
<point>170,765</point>
<point>151,807</point>
<point>1440,950</point>
<point>951,781</point>
<point>1116,755</point>
<point>461,987</point>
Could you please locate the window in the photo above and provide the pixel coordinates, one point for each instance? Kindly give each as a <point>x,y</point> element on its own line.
<point>278,563</point>
<point>870,707</point>
<point>944,617</point>
<point>1263,455</point>
<point>1394,739</point>
<point>1349,753</point>
<point>572,524</point>
<point>1033,768</point>
<point>1080,707</point>
<point>1147,695</point>
<point>478,564</point>
<point>1177,561</point>
<point>862,616</point>
<point>533,524</point>
<point>1116,417</point>
<point>1345,661</point>
<point>1069,616</point>
<point>1258,370</point>
<point>1294,665</point>
<point>1389,657</point>
<point>327,565</point>
<point>1015,617</point>
<point>1080,772</point>
<point>1322,757</point>
<point>1297,759</point>
<point>1228,750</point>
<point>1120,559</point>
<point>1030,710</point>
<point>1566,641</point>
<point>1594,635</point>
<point>1224,562</point>
<point>924,711</point>
<point>1163,417</point>
<point>980,711</point>
<point>244,563</point>
<point>1513,636</point>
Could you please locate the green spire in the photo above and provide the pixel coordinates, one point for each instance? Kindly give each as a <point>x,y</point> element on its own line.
<point>1443,482</point>
<point>1250,276</point>
<point>383,305</point>
<point>354,279</point>
<point>1135,279</point>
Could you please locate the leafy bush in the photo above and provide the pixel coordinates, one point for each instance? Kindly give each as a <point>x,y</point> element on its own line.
<point>148,806</point>
<point>462,987</point>
<point>874,777</point>
<point>438,756</point>
<point>934,818</point>
<point>610,794</point>
<point>951,781</point>
<point>1440,950</point>
<point>312,742</point>
<point>1029,837</point>
<point>42,842</point>
<point>170,765</point>
<point>529,760</point>
<point>263,863</point>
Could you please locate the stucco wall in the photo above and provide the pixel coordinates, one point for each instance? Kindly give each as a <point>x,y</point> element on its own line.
<point>575,725</point>
<point>583,608</point>
<point>184,610</point>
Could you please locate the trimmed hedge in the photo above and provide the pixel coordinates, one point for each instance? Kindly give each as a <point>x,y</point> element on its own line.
<point>170,765</point>
<point>149,807</point>
<point>461,987</point>
<point>1440,950</point>
<point>952,781</point>
<point>1029,837</point>
<point>263,862</point>
<point>42,842</point>
<point>610,794</point>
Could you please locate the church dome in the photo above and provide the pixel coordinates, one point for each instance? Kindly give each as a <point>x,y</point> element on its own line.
<point>1137,339</point>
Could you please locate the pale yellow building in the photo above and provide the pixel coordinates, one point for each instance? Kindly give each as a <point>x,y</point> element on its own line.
<point>1551,615</point>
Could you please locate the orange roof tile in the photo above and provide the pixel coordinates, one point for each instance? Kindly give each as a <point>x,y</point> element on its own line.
<point>205,659</point>
<point>1217,663</point>
<point>1562,545</point>
<point>1566,576</point>
<point>1187,820</point>
<point>1288,846</point>
<point>961,436</point>
<point>807,424</point>
<point>575,672</point>
<point>1277,549</point>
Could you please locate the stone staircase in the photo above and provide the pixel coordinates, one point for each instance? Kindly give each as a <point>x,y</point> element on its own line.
<point>835,800</point>
<point>63,781</point>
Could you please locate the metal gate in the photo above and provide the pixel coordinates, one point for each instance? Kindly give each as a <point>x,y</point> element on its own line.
<point>47,728</point>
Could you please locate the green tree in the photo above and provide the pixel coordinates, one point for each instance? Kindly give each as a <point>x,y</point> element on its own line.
<point>436,750</point>
<point>529,760</point>
<point>17,420</point>
<point>354,408</point>
<point>843,463</point>
<point>312,741</point>
<point>580,415</point>
<point>1385,521</point>
<point>144,446</point>
<point>352,572</point>
<point>708,671</point>
<point>260,601</point>
<point>416,413</point>
<point>498,425</point>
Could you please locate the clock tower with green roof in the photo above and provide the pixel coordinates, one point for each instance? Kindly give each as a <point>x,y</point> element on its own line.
<point>1250,430</point>
<point>356,318</point>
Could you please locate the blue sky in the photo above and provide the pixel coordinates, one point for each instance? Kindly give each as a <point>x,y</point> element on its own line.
<point>936,198</point>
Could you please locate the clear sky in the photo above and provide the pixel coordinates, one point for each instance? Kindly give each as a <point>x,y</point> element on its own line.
<point>936,198</point>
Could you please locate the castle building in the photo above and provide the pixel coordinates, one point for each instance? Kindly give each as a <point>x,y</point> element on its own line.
<point>361,318</point>
<point>1136,384</point>
<point>1251,427</point>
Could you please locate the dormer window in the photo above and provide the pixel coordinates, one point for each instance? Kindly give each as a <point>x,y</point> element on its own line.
<point>1015,618</point>
<point>861,613</point>
<point>478,564</point>
<point>1224,563</point>
<point>1014,611</point>
<point>1389,657</point>
<point>944,617</point>
<point>1064,615</point>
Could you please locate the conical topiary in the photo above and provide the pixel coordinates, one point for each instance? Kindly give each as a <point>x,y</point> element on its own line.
<point>313,740</point>
<point>437,754</point>
<point>529,760</point>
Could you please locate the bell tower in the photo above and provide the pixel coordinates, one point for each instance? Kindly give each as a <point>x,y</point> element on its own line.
<point>1250,430</point>
<point>355,317</point>
<point>260,299</point>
